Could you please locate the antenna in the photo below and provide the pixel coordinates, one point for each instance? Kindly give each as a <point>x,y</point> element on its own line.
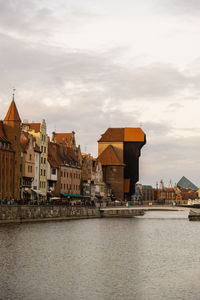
<point>14,89</point>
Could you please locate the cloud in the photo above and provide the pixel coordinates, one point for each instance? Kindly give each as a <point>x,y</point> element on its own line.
<point>181,7</point>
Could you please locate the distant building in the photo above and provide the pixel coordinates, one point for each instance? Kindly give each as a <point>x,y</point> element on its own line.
<point>186,184</point>
<point>118,152</point>
<point>10,129</point>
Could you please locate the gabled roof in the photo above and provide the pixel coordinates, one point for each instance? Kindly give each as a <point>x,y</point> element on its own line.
<point>12,114</point>
<point>187,184</point>
<point>128,134</point>
<point>3,137</point>
<point>54,158</point>
<point>63,138</point>
<point>33,126</point>
<point>109,157</point>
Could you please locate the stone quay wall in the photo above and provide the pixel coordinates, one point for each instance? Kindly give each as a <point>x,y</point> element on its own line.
<point>31,213</point>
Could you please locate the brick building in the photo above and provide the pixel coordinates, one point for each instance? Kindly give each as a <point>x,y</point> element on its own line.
<point>10,129</point>
<point>118,152</point>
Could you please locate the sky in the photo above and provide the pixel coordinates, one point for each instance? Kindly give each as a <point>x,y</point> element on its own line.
<point>87,65</point>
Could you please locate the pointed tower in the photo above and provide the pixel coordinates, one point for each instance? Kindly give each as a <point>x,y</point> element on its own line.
<point>12,125</point>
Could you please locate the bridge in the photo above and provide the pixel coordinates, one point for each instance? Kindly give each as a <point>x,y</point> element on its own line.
<point>122,211</point>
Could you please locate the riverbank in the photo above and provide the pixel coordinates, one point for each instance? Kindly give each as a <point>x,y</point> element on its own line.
<point>31,213</point>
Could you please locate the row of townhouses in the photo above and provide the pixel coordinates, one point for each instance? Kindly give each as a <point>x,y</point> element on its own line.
<point>35,167</point>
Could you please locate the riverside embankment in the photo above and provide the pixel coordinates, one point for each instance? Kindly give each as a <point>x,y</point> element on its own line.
<point>28,213</point>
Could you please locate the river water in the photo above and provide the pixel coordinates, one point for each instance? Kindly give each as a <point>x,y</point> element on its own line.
<point>153,257</point>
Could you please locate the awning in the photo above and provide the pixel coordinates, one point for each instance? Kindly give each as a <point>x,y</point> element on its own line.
<point>38,192</point>
<point>72,195</point>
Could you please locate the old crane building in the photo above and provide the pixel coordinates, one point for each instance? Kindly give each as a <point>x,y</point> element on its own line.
<point>119,152</point>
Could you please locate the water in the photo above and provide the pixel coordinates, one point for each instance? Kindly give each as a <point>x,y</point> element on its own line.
<point>152,257</point>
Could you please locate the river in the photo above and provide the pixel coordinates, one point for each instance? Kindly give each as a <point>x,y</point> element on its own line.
<point>154,257</point>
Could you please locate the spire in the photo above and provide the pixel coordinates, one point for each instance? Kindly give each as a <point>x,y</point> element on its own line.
<point>12,114</point>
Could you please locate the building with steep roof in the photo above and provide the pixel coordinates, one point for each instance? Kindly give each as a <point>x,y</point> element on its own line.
<point>39,131</point>
<point>64,171</point>
<point>118,152</point>
<point>68,140</point>
<point>10,129</point>
<point>28,165</point>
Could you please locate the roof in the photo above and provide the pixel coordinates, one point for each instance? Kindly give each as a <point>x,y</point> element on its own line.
<point>62,138</point>
<point>33,126</point>
<point>109,157</point>
<point>187,184</point>
<point>53,155</point>
<point>3,137</point>
<point>128,134</point>
<point>12,114</point>
<point>59,154</point>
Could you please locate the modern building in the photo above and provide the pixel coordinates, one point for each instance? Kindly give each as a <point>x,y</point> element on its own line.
<point>119,152</point>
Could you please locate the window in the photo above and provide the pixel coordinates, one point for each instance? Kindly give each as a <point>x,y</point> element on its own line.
<point>44,172</point>
<point>29,169</point>
<point>44,160</point>
<point>42,148</point>
<point>53,171</point>
<point>30,156</point>
<point>41,172</point>
<point>41,160</point>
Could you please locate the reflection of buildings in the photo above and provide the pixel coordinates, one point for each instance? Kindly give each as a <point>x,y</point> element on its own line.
<point>118,152</point>
<point>10,154</point>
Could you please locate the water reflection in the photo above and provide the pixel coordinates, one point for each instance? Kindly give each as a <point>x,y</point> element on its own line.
<point>153,257</point>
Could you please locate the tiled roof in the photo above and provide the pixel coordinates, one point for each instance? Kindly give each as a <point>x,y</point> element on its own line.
<point>3,137</point>
<point>12,114</point>
<point>33,126</point>
<point>62,138</point>
<point>53,155</point>
<point>123,135</point>
<point>109,157</point>
<point>187,184</point>
<point>59,154</point>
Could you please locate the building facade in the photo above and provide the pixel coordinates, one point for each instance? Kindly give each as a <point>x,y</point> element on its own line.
<point>39,131</point>
<point>119,152</point>
<point>10,129</point>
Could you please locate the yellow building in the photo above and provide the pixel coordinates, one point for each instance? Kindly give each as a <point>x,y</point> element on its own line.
<point>39,131</point>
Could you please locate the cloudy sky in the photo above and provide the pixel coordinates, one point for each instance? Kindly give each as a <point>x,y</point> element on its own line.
<point>87,65</point>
